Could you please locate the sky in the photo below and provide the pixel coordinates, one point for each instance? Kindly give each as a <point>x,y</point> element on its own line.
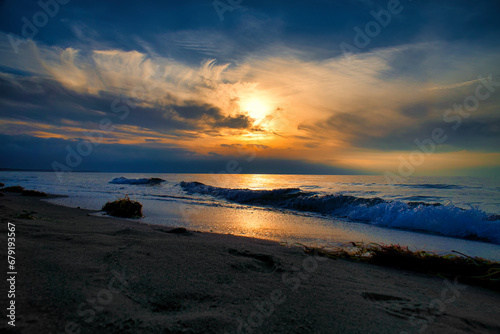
<point>396,88</point>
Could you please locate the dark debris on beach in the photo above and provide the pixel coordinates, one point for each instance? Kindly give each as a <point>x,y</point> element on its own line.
<point>124,208</point>
<point>13,189</point>
<point>22,191</point>
<point>470,270</point>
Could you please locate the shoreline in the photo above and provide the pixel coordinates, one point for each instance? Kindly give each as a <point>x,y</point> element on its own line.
<point>95,274</point>
<point>336,236</point>
<point>442,232</point>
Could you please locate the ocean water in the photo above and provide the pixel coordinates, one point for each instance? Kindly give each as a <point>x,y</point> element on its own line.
<point>432,213</point>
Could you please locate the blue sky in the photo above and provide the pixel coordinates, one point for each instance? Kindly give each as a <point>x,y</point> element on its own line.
<point>187,91</point>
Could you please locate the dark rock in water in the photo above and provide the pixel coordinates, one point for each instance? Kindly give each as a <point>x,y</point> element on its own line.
<point>1,194</point>
<point>33,193</point>
<point>150,182</point>
<point>124,208</point>
<point>2,185</point>
<point>14,189</point>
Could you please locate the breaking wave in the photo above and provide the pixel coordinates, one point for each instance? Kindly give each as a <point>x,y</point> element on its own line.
<point>432,186</point>
<point>124,180</point>
<point>434,218</point>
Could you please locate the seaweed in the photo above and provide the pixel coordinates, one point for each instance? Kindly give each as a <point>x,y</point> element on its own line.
<point>25,215</point>
<point>13,189</point>
<point>467,269</point>
<point>33,193</point>
<point>124,208</point>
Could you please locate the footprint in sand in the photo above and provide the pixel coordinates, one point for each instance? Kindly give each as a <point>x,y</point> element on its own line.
<point>249,261</point>
<point>398,306</point>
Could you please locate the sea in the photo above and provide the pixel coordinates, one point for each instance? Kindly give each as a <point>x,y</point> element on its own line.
<point>436,214</point>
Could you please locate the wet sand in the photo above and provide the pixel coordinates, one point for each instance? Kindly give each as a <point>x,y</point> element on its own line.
<point>78,273</point>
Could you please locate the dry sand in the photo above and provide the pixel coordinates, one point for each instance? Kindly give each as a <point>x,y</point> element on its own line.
<point>84,274</point>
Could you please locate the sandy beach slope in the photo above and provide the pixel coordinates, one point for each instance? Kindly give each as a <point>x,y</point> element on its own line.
<point>84,274</point>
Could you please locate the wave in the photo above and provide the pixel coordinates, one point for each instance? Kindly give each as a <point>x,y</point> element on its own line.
<point>432,186</point>
<point>420,198</point>
<point>151,181</point>
<point>435,218</point>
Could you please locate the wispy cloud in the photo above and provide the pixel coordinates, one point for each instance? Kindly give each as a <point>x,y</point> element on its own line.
<point>349,112</point>
<point>455,85</point>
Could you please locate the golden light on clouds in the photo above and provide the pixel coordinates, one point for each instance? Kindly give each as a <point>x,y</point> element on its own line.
<point>358,114</point>
<point>256,107</point>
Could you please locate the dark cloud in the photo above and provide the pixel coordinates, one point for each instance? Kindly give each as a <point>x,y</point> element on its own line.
<point>211,115</point>
<point>38,153</point>
<point>434,42</point>
<point>480,131</point>
<point>192,30</point>
<point>479,135</point>
<point>237,122</point>
<point>418,110</point>
<point>48,102</point>
<point>254,146</point>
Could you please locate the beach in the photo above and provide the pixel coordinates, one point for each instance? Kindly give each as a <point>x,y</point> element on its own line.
<point>79,273</point>
<point>318,211</point>
<point>247,167</point>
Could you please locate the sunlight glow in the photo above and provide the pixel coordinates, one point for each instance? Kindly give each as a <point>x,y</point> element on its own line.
<point>257,107</point>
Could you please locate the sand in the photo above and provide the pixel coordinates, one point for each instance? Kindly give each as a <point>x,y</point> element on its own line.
<point>78,273</point>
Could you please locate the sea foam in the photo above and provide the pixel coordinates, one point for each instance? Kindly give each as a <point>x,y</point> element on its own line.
<point>448,220</point>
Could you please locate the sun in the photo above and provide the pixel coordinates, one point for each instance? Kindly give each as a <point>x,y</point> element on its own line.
<point>256,107</point>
